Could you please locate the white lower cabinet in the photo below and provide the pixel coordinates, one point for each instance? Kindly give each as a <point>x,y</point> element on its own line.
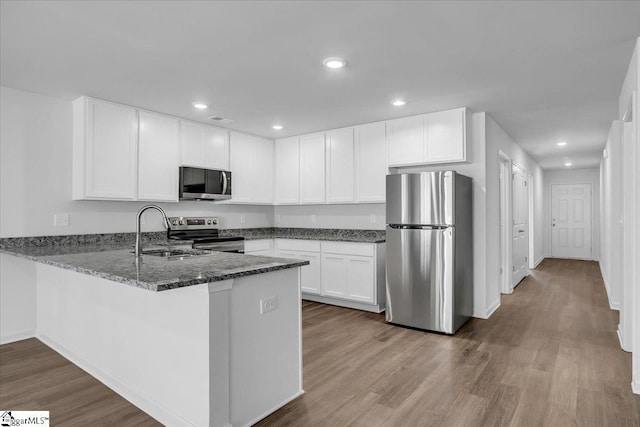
<point>339,273</point>
<point>308,250</point>
<point>263,247</point>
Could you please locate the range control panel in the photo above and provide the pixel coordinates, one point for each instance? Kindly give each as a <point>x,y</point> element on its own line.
<point>194,223</point>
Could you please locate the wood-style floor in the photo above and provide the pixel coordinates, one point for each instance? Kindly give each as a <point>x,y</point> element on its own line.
<point>549,356</point>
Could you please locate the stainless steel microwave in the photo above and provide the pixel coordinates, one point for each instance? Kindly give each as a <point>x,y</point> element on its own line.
<point>204,184</point>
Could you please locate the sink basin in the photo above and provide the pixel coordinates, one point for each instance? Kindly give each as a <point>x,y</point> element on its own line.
<point>174,253</point>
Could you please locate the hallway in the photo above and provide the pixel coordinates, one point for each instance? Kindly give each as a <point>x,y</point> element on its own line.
<point>548,356</point>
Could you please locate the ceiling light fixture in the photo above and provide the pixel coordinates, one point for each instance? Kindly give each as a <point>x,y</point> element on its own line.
<point>398,102</point>
<point>567,164</point>
<point>561,143</point>
<point>278,127</point>
<point>200,105</point>
<point>334,63</point>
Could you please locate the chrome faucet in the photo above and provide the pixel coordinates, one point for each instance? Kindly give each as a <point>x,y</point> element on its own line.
<point>165,222</point>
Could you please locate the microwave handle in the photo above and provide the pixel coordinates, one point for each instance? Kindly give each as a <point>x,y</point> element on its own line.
<point>224,182</point>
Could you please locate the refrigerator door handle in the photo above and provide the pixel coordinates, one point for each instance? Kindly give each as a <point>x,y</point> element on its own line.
<point>418,227</point>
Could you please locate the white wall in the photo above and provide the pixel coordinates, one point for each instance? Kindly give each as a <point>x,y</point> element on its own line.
<point>499,140</point>
<point>574,176</point>
<point>35,178</point>
<point>17,298</point>
<point>630,308</point>
<point>332,216</point>
<point>611,216</point>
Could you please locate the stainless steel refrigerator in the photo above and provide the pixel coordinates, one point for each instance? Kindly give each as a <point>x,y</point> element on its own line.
<point>429,250</point>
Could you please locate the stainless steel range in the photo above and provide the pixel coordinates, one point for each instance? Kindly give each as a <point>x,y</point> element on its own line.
<point>205,233</point>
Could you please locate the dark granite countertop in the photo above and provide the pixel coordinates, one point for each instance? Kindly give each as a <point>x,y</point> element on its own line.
<point>329,234</point>
<point>116,262</point>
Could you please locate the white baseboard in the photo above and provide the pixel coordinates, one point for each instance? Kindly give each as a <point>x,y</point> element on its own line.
<point>612,304</point>
<point>275,408</point>
<point>621,339</point>
<point>6,339</point>
<point>635,386</point>
<point>538,261</point>
<point>343,303</point>
<point>152,408</point>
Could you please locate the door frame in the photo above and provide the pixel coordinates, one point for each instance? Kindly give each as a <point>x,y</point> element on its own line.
<point>532,252</point>
<point>505,170</point>
<point>591,210</point>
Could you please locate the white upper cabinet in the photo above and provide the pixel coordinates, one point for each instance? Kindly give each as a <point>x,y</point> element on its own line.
<point>427,139</point>
<point>312,169</point>
<point>405,138</point>
<point>370,163</point>
<point>158,154</point>
<point>204,146</point>
<point>340,166</point>
<point>105,145</point>
<point>287,171</point>
<point>445,136</point>
<point>251,168</point>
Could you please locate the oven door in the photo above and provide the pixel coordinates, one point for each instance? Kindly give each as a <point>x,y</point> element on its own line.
<point>230,246</point>
<point>204,184</point>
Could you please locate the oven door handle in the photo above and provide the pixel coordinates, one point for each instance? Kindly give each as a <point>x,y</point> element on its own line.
<point>224,182</point>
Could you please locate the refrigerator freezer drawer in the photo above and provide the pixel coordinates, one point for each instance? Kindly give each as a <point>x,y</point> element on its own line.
<point>420,278</point>
<point>421,198</point>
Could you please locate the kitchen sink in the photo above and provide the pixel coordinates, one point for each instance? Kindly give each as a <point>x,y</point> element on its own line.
<point>174,253</point>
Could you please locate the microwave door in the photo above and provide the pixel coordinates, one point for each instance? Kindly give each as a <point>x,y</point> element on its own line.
<point>215,182</point>
<point>193,181</point>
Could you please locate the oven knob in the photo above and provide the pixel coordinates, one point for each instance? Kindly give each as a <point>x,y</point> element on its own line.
<point>209,221</point>
<point>215,221</point>
<point>181,222</point>
<point>174,222</point>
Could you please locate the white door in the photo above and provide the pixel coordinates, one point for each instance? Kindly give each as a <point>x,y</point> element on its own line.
<point>520,226</point>
<point>312,169</point>
<point>571,221</point>
<point>340,166</point>
<point>158,157</point>
<point>371,163</point>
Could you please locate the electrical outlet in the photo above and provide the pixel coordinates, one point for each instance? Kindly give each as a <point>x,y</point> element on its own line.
<point>268,304</point>
<point>372,219</point>
<point>242,219</point>
<point>61,220</point>
<point>313,219</point>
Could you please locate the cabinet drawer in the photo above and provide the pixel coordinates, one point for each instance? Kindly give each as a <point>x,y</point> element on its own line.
<point>299,245</point>
<point>343,248</point>
<point>257,245</point>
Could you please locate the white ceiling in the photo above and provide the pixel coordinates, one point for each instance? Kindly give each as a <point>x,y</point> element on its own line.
<point>544,70</point>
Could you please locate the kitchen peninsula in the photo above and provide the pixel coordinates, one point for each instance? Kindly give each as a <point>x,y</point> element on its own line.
<point>206,340</point>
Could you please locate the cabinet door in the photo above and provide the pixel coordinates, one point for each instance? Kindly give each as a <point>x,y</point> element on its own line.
<point>405,140</point>
<point>334,276</point>
<point>158,157</point>
<point>216,147</point>
<point>242,167</point>
<point>287,171</point>
<point>111,151</point>
<point>361,279</point>
<point>192,144</point>
<point>262,177</point>
<point>312,168</point>
<point>371,167</point>
<point>445,136</point>
<point>340,166</point>
<point>310,274</point>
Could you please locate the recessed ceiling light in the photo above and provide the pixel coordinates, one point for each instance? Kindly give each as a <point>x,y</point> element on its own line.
<point>398,102</point>
<point>561,143</point>
<point>278,127</point>
<point>200,105</point>
<point>334,62</point>
<point>567,164</point>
